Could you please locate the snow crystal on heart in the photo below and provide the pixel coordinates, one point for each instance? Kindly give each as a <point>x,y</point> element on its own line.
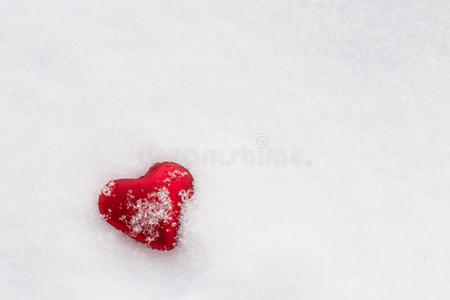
<point>145,214</point>
<point>185,195</point>
<point>130,195</point>
<point>176,174</point>
<point>108,188</point>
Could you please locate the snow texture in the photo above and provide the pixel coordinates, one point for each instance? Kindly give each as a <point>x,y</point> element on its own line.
<point>148,213</point>
<point>359,88</point>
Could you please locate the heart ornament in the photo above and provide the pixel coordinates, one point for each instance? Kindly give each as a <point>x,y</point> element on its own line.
<point>148,209</point>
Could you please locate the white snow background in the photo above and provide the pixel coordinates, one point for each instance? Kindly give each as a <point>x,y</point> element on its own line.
<point>361,88</point>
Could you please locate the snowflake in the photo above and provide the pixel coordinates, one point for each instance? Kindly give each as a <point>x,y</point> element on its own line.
<point>147,213</point>
<point>108,188</point>
<point>176,174</point>
<point>185,195</point>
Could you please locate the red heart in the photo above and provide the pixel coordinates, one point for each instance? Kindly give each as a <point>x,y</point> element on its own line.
<point>148,208</point>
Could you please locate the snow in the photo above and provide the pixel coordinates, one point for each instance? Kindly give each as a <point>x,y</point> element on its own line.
<point>176,174</point>
<point>146,215</point>
<point>316,132</point>
<point>108,189</point>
